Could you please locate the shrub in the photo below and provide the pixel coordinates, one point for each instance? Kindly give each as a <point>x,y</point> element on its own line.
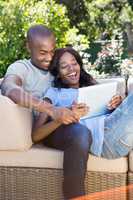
<point>18,15</point>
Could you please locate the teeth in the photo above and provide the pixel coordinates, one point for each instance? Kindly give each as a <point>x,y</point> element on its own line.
<point>72,74</point>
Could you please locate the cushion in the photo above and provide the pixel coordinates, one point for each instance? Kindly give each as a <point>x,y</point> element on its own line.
<point>43,157</point>
<point>130,85</point>
<point>15,126</point>
<point>1,80</point>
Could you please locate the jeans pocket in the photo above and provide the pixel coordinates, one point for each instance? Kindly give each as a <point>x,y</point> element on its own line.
<point>124,145</point>
<point>127,140</point>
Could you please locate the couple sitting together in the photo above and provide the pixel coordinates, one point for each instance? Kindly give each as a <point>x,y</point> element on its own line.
<point>48,83</point>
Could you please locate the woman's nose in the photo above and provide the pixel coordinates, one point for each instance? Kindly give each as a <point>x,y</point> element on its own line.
<point>70,67</point>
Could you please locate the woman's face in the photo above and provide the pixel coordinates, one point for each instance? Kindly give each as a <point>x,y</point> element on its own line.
<point>69,70</point>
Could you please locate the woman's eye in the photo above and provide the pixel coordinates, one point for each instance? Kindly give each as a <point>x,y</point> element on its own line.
<point>63,67</point>
<point>67,66</point>
<point>74,63</point>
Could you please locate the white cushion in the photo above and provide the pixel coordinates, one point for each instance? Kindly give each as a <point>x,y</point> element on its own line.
<point>42,157</point>
<point>15,126</point>
<point>130,85</point>
<point>1,80</point>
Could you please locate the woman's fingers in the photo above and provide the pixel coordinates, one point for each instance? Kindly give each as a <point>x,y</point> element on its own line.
<point>115,101</point>
<point>82,111</point>
<point>79,105</point>
<point>70,121</point>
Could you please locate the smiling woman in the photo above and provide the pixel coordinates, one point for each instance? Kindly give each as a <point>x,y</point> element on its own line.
<point>67,66</point>
<point>69,70</point>
<point>75,139</point>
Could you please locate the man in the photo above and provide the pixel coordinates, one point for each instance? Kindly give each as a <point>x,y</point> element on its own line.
<point>25,80</point>
<point>24,83</point>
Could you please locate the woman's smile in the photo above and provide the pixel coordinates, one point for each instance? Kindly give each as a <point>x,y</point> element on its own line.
<point>69,70</point>
<point>72,75</point>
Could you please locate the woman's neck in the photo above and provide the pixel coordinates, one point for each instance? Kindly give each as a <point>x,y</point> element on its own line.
<point>76,86</point>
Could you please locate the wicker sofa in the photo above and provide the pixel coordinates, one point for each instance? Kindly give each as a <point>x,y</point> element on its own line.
<point>36,173</point>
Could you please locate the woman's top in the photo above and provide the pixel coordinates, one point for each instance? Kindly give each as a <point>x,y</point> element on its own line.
<point>65,97</point>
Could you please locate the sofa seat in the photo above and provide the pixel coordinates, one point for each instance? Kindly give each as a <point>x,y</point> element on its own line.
<point>37,173</point>
<point>43,157</point>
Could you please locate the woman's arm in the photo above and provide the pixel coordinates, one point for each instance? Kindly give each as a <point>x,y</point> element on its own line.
<point>43,131</point>
<point>42,128</point>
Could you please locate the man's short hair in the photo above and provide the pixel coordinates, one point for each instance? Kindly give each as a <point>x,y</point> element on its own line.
<point>38,31</point>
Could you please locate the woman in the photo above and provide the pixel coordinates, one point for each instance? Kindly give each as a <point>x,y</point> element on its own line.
<point>67,68</point>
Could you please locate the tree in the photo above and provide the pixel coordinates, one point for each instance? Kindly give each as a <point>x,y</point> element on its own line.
<point>93,17</point>
<point>18,15</point>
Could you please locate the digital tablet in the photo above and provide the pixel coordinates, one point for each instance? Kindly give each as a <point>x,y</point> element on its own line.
<point>97,97</point>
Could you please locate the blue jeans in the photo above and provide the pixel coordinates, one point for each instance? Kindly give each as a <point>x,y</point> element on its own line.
<point>74,140</point>
<point>118,133</point>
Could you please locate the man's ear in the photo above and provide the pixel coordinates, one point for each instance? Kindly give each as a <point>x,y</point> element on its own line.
<point>28,47</point>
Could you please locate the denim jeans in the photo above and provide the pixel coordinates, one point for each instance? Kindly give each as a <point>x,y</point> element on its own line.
<point>74,140</point>
<point>118,133</point>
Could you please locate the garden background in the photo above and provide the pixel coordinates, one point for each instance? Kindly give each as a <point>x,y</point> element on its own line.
<point>101,30</point>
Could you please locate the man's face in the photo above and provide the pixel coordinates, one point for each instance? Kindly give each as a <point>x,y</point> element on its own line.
<point>42,51</point>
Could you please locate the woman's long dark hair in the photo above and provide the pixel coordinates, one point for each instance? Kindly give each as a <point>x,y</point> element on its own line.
<point>85,78</point>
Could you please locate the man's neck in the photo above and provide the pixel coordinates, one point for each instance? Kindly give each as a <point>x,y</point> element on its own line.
<point>43,70</point>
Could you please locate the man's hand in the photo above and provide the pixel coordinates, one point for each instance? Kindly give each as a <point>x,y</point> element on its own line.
<point>80,109</point>
<point>114,102</point>
<point>64,115</point>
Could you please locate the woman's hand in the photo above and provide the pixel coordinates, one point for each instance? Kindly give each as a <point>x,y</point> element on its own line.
<point>80,109</point>
<point>114,102</point>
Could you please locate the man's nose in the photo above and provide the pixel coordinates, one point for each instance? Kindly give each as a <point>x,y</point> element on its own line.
<point>49,57</point>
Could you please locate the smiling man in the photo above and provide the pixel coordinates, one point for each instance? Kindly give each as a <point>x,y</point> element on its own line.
<point>26,79</point>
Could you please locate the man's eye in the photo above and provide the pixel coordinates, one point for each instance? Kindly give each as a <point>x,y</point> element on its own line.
<point>42,53</point>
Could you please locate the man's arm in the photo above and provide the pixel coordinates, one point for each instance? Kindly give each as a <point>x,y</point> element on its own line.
<point>12,87</point>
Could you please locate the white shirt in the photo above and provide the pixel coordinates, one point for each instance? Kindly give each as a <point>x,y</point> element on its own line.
<point>35,80</point>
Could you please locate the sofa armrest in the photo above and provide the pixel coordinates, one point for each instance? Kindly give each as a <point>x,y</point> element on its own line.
<point>15,126</point>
